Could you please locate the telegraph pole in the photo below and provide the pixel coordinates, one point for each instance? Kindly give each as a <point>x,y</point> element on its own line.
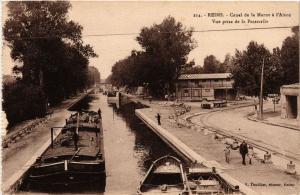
<point>261,91</point>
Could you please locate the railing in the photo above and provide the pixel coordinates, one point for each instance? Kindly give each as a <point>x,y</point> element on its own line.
<point>206,85</point>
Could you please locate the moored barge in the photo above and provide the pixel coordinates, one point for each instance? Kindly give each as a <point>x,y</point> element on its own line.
<point>166,175</point>
<point>75,156</point>
<point>202,180</point>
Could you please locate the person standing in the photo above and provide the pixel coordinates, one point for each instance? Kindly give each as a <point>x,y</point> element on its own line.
<point>158,118</point>
<point>250,154</point>
<point>150,99</point>
<point>227,154</point>
<point>255,105</point>
<point>244,150</point>
<point>166,97</point>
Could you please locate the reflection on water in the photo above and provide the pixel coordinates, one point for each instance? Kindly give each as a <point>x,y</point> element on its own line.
<point>130,146</point>
<point>147,145</point>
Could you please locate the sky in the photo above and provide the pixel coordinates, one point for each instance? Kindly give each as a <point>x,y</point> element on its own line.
<point>98,18</point>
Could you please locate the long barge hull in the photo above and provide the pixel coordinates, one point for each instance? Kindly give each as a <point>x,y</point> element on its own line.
<point>85,164</point>
<point>66,173</point>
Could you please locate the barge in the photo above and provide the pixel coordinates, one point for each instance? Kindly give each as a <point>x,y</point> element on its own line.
<point>165,175</point>
<point>113,97</point>
<point>203,180</point>
<point>75,156</point>
<point>168,175</point>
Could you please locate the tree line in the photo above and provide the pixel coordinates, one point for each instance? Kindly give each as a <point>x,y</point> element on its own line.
<point>165,48</point>
<point>281,66</point>
<point>54,60</point>
<point>163,58</point>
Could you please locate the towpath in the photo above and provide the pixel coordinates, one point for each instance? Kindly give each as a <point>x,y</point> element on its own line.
<point>18,153</point>
<point>262,178</point>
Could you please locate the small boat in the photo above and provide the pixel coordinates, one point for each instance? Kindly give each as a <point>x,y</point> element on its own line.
<point>113,97</point>
<point>75,156</point>
<point>165,175</point>
<point>203,180</point>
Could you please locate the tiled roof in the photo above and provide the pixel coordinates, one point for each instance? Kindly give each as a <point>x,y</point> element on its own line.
<point>204,76</point>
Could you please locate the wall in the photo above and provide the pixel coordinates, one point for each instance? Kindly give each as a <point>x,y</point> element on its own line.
<point>289,98</point>
<point>195,94</point>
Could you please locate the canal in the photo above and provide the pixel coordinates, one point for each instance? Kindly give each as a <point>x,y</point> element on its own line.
<point>130,147</point>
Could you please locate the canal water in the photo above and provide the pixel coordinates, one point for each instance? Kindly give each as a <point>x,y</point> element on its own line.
<point>130,147</point>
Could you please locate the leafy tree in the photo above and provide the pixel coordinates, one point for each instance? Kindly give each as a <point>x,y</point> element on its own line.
<point>211,64</point>
<point>247,69</point>
<point>164,56</point>
<point>273,73</point>
<point>166,47</point>
<point>93,75</point>
<point>48,45</point>
<point>290,58</point>
<point>130,71</point>
<point>22,102</point>
<point>226,66</point>
<point>193,70</point>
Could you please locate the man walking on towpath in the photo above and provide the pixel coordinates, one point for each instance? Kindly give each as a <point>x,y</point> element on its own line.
<point>244,150</point>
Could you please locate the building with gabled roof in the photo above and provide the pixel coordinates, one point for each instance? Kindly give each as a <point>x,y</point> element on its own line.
<point>204,76</point>
<point>197,87</point>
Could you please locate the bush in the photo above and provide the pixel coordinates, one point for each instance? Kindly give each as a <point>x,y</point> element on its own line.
<point>22,102</point>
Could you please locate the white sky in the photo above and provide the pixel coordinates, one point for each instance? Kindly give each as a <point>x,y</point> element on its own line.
<point>130,17</point>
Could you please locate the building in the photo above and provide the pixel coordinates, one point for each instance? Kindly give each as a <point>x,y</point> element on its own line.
<point>290,101</point>
<point>197,87</point>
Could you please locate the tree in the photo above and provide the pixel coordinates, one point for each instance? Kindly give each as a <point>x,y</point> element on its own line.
<point>246,71</point>
<point>194,70</point>
<point>211,64</point>
<point>164,57</point>
<point>226,66</point>
<point>290,58</point>
<point>93,76</point>
<point>49,47</point>
<point>22,102</point>
<point>191,69</point>
<point>166,47</point>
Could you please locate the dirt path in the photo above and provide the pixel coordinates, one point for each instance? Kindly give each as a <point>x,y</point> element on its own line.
<point>15,156</point>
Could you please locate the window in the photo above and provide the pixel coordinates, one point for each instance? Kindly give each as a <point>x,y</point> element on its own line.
<point>196,93</point>
<point>185,93</point>
<point>207,90</point>
<point>198,84</point>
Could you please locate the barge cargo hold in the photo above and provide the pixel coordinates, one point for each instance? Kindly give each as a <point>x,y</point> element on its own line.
<point>166,175</point>
<point>203,180</point>
<point>75,156</point>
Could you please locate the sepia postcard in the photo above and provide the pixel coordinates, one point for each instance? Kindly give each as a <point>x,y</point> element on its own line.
<point>150,97</point>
